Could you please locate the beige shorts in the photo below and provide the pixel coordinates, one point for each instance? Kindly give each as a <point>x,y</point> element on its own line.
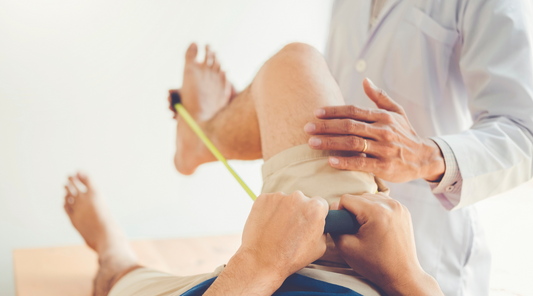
<point>297,168</point>
<point>149,282</point>
<point>307,170</point>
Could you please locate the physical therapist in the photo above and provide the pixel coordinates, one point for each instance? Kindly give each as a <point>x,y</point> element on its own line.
<point>454,117</point>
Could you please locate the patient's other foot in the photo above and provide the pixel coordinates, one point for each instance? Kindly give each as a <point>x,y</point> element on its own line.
<point>91,218</point>
<point>204,93</point>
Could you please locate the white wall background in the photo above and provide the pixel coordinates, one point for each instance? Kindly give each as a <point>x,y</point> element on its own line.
<point>83,85</point>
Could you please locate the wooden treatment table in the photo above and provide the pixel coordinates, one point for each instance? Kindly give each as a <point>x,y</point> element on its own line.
<point>69,270</point>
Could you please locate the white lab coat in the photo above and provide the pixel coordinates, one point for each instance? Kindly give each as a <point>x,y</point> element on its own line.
<point>463,71</point>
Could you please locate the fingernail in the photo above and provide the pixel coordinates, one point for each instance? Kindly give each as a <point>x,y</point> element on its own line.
<point>334,160</point>
<point>372,85</point>
<point>334,206</point>
<point>309,127</point>
<point>320,112</point>
<point>315,142</point>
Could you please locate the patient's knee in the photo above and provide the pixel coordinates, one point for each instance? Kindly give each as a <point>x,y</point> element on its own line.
<point>296,53</point>
<point>298,49</point>
<point>295,62</point>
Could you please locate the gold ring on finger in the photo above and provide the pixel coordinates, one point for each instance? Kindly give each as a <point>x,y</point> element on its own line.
<point>365,147</point>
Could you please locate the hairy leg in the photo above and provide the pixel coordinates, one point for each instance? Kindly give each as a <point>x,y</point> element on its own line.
<point>92,220</point>
<point>287,90</point>
<point>266,118</point>
<point>235,129</point>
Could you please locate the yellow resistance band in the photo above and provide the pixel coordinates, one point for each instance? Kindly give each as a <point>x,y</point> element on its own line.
<point>194,126</point>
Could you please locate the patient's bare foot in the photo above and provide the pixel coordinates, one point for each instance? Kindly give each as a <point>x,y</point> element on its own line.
<point>205,88</point>
<point>92,220</point>
<point>204,93</point>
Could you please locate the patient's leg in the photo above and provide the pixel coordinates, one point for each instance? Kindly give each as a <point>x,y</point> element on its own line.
<point>267,118</point>
<point>91,218</point>
<point>286,92</point>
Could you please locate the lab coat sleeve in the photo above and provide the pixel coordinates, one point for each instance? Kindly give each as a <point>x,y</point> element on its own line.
<point>448,190</point>
<point>496,153</point>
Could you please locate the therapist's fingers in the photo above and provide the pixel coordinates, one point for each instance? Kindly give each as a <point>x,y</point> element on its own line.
<point>358,163</point>
<point>340,127</point>
<point>380,98</point>
<point>350,111</point>
<point>340,143</point>
<point>350,143</point>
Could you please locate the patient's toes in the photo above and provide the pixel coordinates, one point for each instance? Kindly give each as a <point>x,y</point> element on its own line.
<point>209,56</point>
<point>84,179</point>
<point>216,64</point>
<point>73,185</point>
<point>223,77</point>
<point>70,200</point>
<point>69,197</point>
<point>192,51</point>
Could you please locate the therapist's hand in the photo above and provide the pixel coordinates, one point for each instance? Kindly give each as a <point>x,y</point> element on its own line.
<point>383,250</point>
<point>394,151</point>
<point>283,234</point>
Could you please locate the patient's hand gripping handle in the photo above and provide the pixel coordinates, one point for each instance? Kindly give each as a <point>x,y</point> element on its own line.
<point>337,221</point>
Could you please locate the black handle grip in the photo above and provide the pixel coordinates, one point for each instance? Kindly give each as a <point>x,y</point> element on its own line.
<point>174,99</point>
<point>341,222</point>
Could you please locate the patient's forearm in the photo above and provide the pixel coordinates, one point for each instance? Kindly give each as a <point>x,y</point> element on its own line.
<point>243,276</point>
<point>418,284</point>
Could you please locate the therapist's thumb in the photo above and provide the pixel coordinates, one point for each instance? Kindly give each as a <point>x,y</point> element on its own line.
<point>380,98</point>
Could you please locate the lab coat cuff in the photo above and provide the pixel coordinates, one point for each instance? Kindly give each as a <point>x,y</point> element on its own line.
<point>448,190</point>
